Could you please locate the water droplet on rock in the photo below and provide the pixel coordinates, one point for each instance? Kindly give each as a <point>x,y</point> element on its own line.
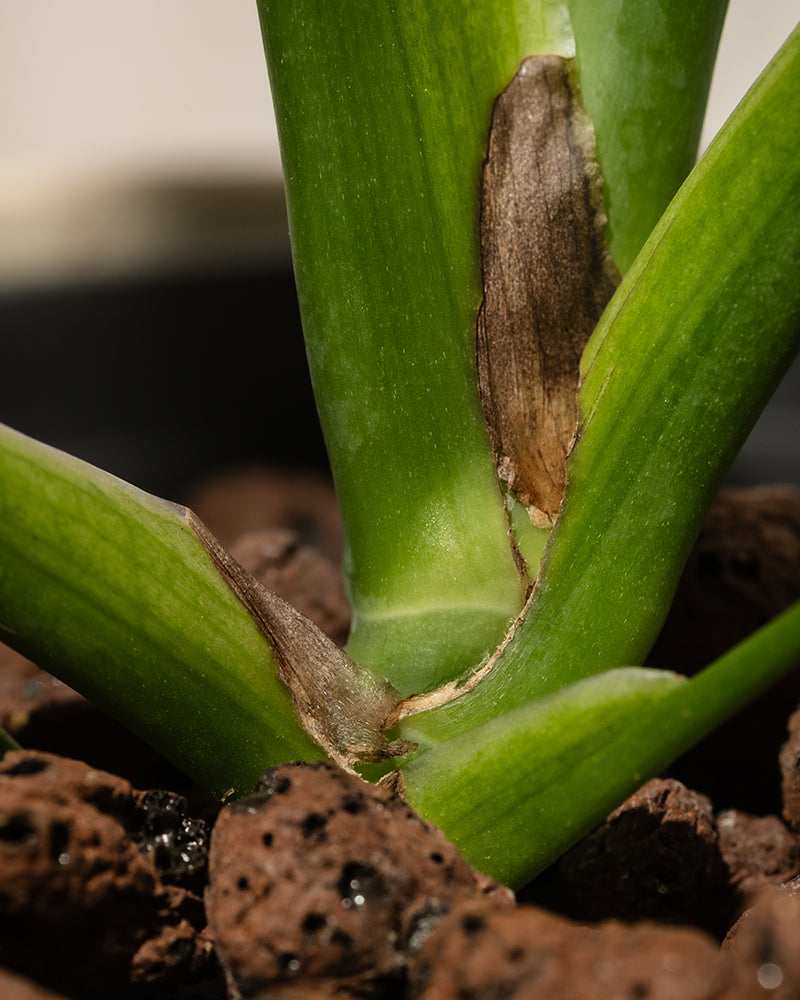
<point>770,976</point>
<point>361,885</point>
<point>177,844</point>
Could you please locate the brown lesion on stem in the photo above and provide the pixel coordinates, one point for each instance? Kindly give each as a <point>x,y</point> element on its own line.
<point>344,707</point>
<point>547,277</point>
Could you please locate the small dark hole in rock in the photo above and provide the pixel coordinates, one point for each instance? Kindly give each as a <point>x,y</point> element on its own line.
<point>288,962</point>
<point>267,840</point>
<point>179,949</point>
<point>515,955</point>
<point>313,922</point>
<point>353,806</point>
<point>243,883</point>
<point>437,858</point>
<point>639,991</point>
<point>59,842</point>
<point>342,939</point>
<point>471,923</point>
<point>154,971</point>
<point>271,783</point>
<point>17,829</point>
<point>31,765</point>
<point>313,825</point>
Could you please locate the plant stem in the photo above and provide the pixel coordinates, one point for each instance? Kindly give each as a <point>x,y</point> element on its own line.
<point>685,357</point>
<point>645,70</point>
<point>383,112</point>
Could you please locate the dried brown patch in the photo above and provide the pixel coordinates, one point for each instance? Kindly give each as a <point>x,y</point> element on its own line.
<point>547,277</point>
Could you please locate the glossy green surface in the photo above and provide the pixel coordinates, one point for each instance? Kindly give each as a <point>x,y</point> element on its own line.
<point>107,587</point>
<point>518,791</point>
<point>645,69</point>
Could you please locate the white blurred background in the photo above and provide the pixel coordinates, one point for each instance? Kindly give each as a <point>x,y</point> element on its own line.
<point>100,98</point>
<point>181,84</point>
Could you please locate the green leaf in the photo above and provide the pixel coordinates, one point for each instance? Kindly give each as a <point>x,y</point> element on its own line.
<point>685,357</point>
<point>109,589</point>
<point>518,791</point>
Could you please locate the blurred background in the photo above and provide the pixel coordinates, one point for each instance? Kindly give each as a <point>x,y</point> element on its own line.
<point>143,238</point>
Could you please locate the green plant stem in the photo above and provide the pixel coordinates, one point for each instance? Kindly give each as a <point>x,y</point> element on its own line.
<point>7,742</point>
<point>580,751</point>
<point>383,112</point>
<point>645,70</point>
<point>109,589</point>
<point>685,357</point>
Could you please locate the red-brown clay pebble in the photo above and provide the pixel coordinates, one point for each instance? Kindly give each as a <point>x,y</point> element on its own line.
<point>235,503</point>
<point>14,987</point>
<point>480,951</point>
<point>789,761</point>
<point>656,857</point>
<point>371,883</point>
<point>82,908</point>
<point>767,936</point>
<point>758,850</point>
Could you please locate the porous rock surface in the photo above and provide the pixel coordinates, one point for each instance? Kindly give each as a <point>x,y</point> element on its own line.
<point>789,761</point>
<point>656,857</point>
<point>767,936</point>
<point>758,850</point>
<point>323,878</point>
<point>96,880</point>
<point>481,951</point>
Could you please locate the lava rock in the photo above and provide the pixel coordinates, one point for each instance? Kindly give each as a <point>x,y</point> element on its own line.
<point>14,987</point>
<point>656,857</point>
<point>789,762</point>
<point>372,883</point>
<point>766,936</point>
<point>82,906</point>
<point>758,850</point>
<point>481,951</point>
